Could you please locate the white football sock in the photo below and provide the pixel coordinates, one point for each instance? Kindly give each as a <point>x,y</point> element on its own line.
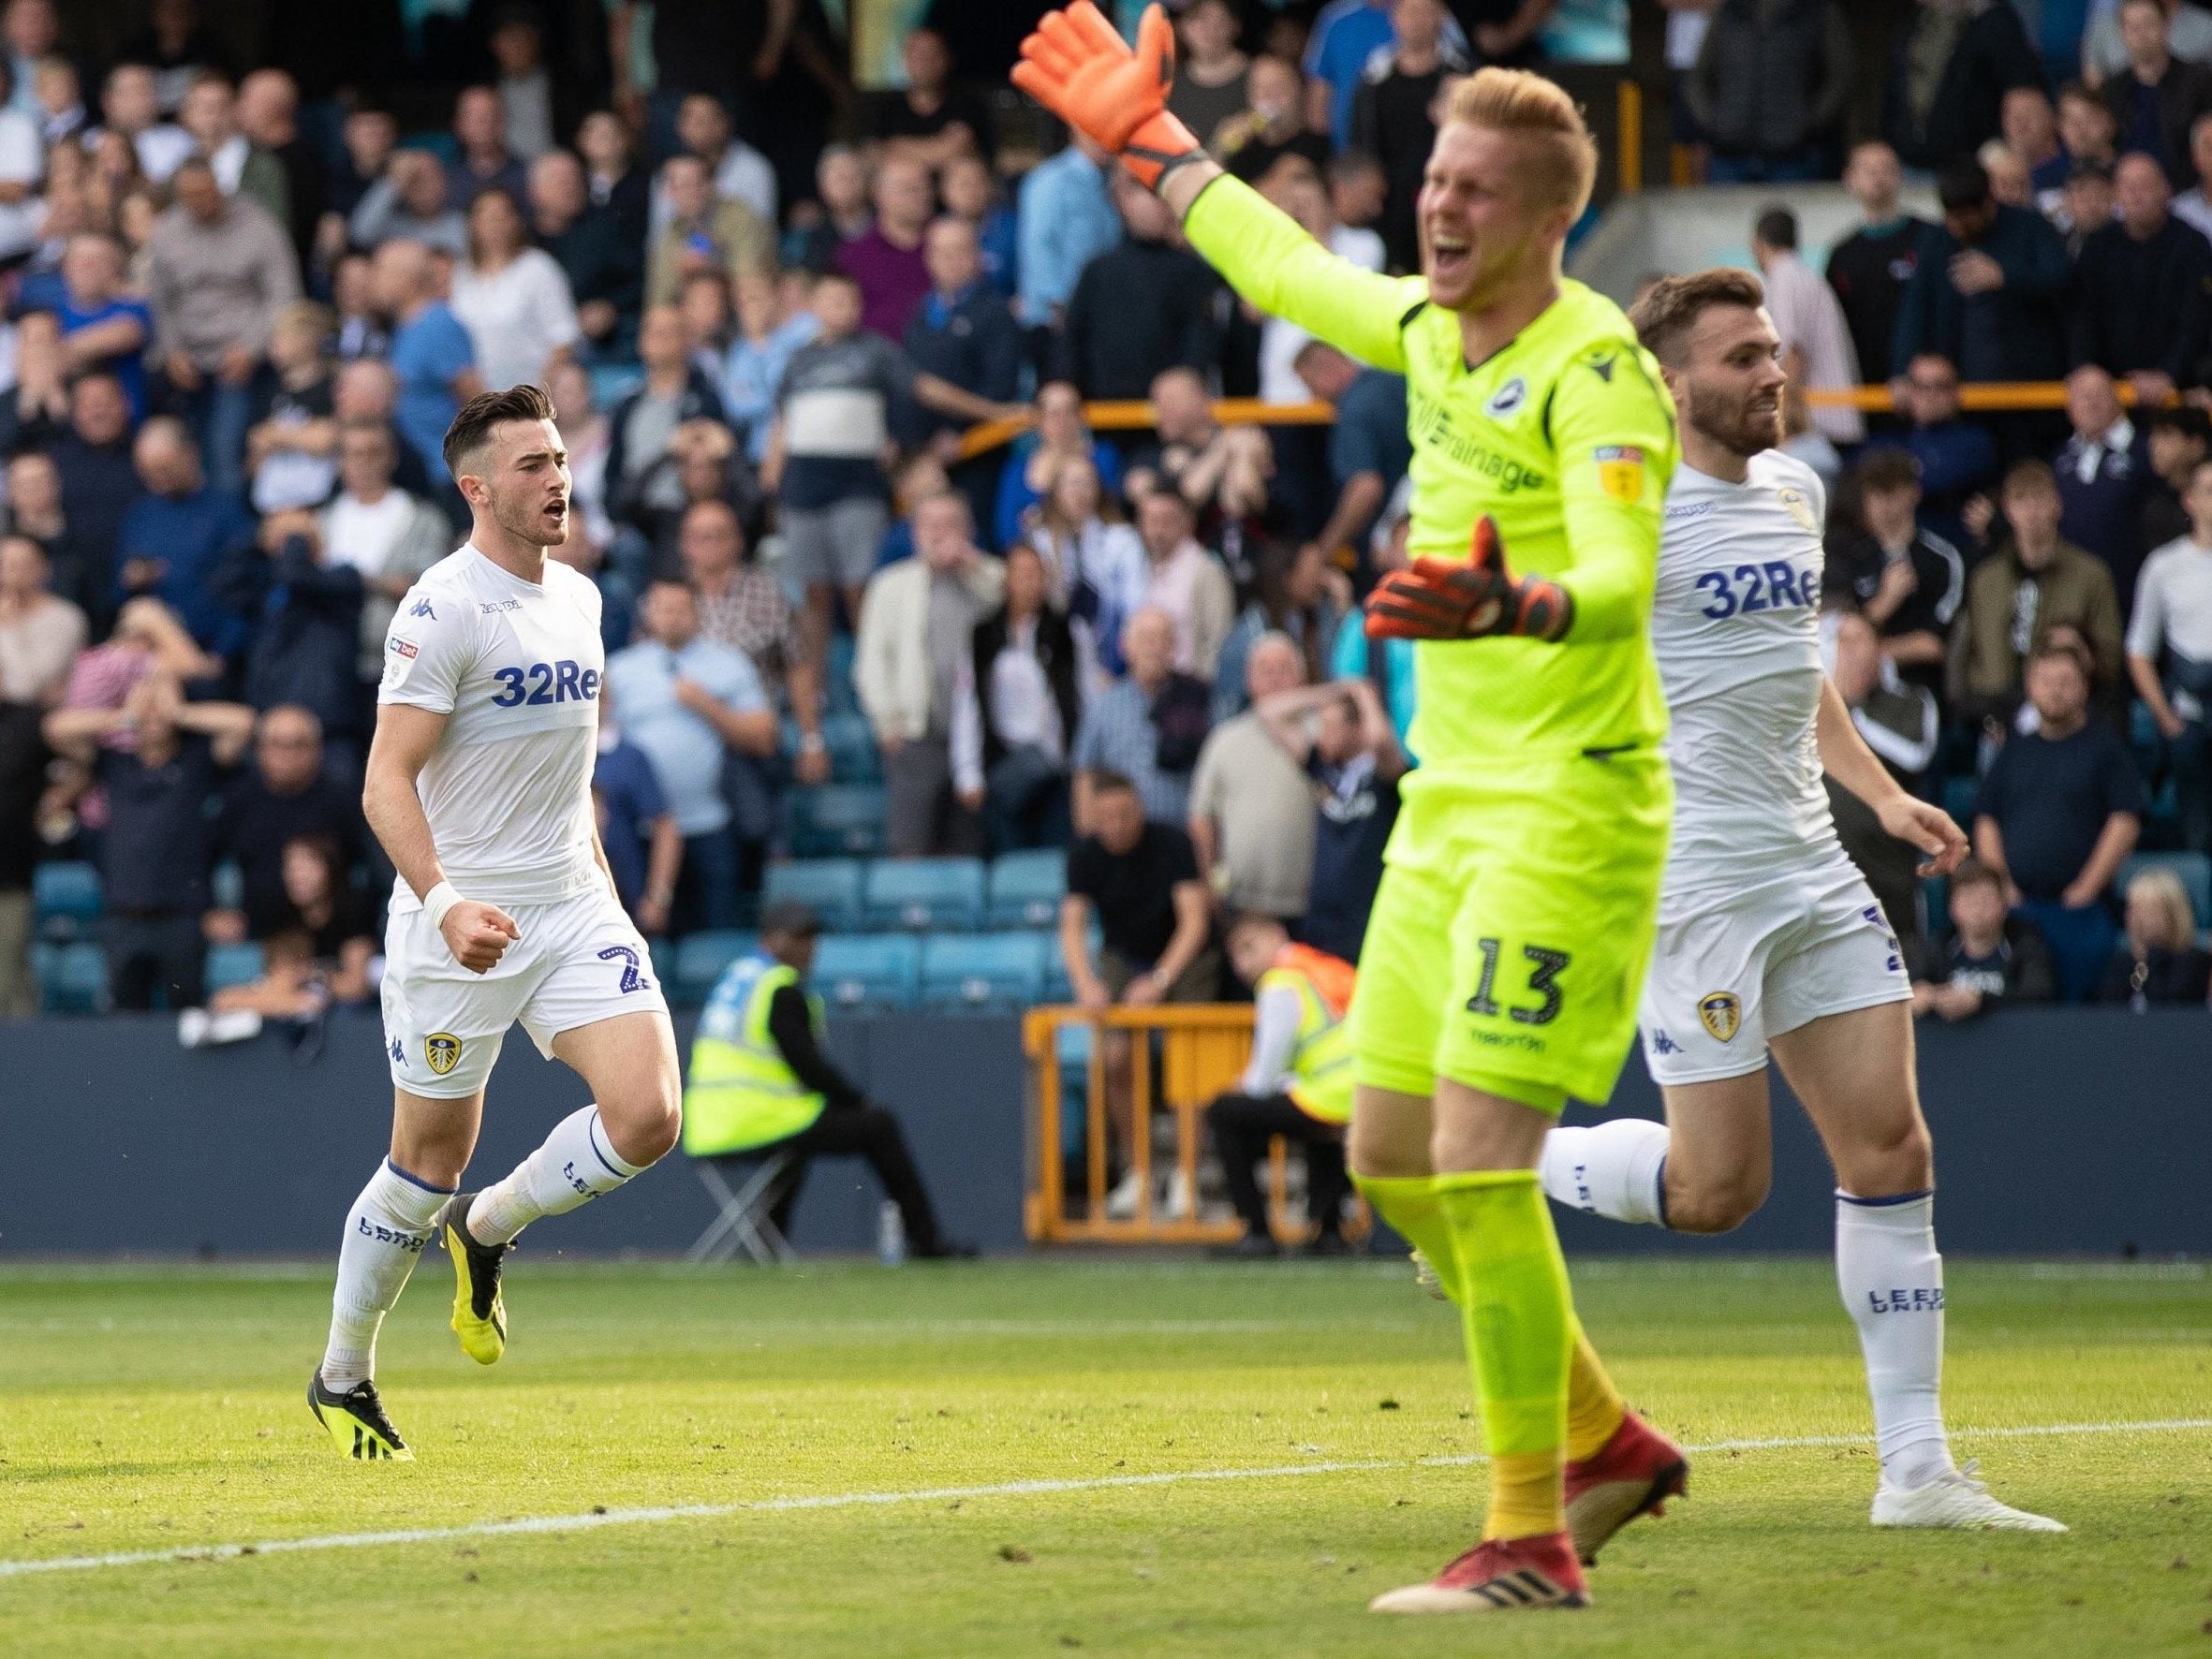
<point>384,1235</point>
<point>1891,1281</point>
<point>576,1164</point>
<point>1614,1169</point>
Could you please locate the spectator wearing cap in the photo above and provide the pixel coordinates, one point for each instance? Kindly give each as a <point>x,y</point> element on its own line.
<point>1252,808</point>
<point>1907,581</point>
<point>696,709</point>
<point>1769,88</point>
<point>2158,961</point>
<point>1870,269</point>
<point>2038,582</point>
<point>2141,307</point>
<point>2059,810</point>
<point>2158,99</point>
<point>1957,458</point>
<point>2170,655</point>
<point>1944,102</point>
<point>1140,307</point>
<point>1815,334</point>
<point>1989,959</point>
<point>219,269</point>
<point>2103,473</point>
<point>287,794</point>
<point>761,1084</point>
<point>1988,289</point>
<point>1147,726</point>
<point>2176,439</point>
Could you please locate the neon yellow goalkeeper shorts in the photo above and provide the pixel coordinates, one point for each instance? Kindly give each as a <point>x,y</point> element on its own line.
<point>1509,940</point>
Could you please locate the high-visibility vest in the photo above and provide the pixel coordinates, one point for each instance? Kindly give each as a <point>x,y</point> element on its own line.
<point>1321,1065</point>
<point>743,1093</point>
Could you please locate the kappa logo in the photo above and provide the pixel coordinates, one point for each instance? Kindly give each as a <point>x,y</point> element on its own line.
<point>1721,1012</point>
<point>399,1052</point>
<point>423,608</point>
<point>1800,509</point>
<point>1663,1044</point>
<point>442,1049</point>
<point>1507,397</point>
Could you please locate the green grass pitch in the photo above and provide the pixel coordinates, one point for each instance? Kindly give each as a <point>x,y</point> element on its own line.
<point>152,1410</point>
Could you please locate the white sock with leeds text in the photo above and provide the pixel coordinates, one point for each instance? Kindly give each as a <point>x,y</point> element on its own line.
<point>386,1231</point>
<point>1612,1169</point>
<point>1891,1280</point>
<point>576,1164</point>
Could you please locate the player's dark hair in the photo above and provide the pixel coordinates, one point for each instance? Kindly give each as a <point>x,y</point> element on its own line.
<point>472,427</point>
<point>1776,227</point>
<point>1670,309</point>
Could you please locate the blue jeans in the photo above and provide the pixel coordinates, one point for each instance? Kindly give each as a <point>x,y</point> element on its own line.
<point>219,416</point>
<point>2080,941</point>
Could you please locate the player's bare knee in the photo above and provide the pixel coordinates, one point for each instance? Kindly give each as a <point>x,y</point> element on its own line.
<point>644,1121</point>
<point>1900,1158</point>
<point>1717,1204</point>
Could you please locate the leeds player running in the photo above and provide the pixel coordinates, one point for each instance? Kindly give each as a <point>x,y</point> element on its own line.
<point>1521,885</point>
<point>479,786</point>
<point>1769,939</point>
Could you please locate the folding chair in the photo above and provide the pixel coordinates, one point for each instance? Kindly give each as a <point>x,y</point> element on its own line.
<point>743,1222</point>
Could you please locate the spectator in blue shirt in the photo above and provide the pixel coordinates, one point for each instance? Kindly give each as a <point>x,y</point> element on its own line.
<point>103,329</point>
<point>754,367</point>
<point>1066,221</point>
<point>644,848</point>
<point>1368,449</point>
<point>971,195</point>
<point>176,536</point>
<point>2059,811</point>
<point>696,709</point>
<point>431,354</point>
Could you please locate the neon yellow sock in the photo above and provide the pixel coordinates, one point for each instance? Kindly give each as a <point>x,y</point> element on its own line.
<point>1594,1405</point>
<point>1408,1203</point>
<point>1519,1317</point>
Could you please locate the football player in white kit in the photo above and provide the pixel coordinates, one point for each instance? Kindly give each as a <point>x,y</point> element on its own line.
<point>479,786</point>
<point>1769,940</point>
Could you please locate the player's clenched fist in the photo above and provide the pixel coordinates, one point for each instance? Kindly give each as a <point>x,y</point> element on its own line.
<point>477,935</point>
<point>1076,67</point>
<point>1436,599</point>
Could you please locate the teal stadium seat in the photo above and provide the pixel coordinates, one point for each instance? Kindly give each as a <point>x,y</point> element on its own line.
<point>832,886</point>
<point>664,962</point>
<point>72,979</point>
<point>1959,795</point>
<point>924,894</point>
<point>66,899</point>
<point>229,965</point>
<point>703,958</point>
<point>837,820</point>
<point>1025,888</point>
<point>867,970</point>
<point>842,697</point>
<point>982,970</point>
<point>851,743</point>
<point>2194,870</point>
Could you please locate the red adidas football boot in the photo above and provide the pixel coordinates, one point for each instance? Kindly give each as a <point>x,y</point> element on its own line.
<point>1497,1576</point>
<point>1633,1473</point>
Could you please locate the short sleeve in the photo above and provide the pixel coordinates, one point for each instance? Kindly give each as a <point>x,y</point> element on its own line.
<point>429,651</point>
<point>2123,784</point>
<point>737,682</point>
<point>1178,859</point>
<point>1989,802</point>
<point>2146,629</point>
<point>1083,858</point>
<point>451,352</point>
<point>891,369</point>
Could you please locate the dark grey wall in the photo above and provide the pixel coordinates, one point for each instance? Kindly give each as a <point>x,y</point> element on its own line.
<point>2073,1130</point>
<point>118,1140</point>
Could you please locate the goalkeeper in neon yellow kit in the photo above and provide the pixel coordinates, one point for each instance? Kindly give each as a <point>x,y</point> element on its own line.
<point>1508,942</point>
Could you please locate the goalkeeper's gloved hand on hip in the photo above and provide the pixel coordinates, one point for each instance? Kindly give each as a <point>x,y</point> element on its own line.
<point>1078,67</point>
<point>1436,599</point>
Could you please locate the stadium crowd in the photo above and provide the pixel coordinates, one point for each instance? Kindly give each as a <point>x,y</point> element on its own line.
<point>241,310</point>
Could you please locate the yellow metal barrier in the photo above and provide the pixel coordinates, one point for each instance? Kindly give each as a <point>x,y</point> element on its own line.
<point>1203,1047</point>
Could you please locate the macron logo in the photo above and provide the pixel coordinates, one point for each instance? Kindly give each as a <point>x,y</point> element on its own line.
<point>423,608</point>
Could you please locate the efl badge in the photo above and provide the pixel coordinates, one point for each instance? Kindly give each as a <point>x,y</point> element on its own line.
<point>442,1049</point>
<point>1507,397</point>
<point>1800,509</point>
<point>1719,1011</point>
<point>1620,472</point>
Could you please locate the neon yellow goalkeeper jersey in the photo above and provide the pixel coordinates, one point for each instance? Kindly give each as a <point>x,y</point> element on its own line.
<point>1566,437</point>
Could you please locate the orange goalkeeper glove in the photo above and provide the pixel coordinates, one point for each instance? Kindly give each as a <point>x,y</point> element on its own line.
<point>1440,600</point>
<point>1076,67</point>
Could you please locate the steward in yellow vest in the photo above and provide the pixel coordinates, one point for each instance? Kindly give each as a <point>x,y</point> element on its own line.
<point>1297,1084</point>
<point>759,1082</point>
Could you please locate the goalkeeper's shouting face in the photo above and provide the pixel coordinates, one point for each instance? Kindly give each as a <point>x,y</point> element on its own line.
<point>1510,173</point>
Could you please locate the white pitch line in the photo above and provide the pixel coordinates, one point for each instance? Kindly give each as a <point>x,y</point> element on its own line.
<point>1013,1489</point>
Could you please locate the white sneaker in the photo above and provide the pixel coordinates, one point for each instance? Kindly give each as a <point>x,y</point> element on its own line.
<point>240,1025</point>
<point>192,1027</point>
<point>1954,1499</point>
<point>1121,1203</point>
<point>1182,1201</point>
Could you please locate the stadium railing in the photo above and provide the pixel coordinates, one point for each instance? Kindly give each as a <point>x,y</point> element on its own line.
<point>1203,1047</point>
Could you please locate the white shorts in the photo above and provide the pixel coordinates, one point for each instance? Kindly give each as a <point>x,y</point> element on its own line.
<point>578,961</point>
<point>1728,975</point>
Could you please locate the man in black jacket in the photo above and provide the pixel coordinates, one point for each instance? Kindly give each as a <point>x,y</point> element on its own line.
<point>1987,290</point>
<point>597,251</point>
<point>1140,307</point>
<point>2159,99</point>
<point>1942,104</point>
<point>1769,86</point>
<point>2143,288</point>
<point>1870,269</point>
<point>98,483</point>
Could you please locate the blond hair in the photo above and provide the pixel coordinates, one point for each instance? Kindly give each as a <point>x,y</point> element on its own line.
<point>1562,155</point>
<point>2178,918</point>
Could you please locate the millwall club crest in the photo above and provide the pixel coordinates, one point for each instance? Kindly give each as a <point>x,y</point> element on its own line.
<point>1507,397</point>
<point>1719,1011</point>
<point>1800,509</point>
<point>442,1049</point>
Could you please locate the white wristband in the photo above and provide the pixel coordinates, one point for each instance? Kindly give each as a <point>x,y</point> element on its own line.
<point>439,900</point>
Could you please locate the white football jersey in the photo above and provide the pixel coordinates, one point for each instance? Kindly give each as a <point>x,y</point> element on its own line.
<point>516,666</point>
<point>1735,624</point>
